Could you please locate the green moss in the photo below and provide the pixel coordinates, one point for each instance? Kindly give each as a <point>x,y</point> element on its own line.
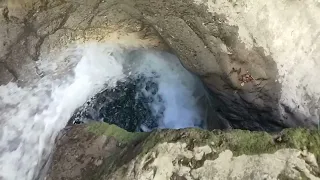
<point>303,139</point>
<point>239,141</point>
<point>246,142</point>
<point>120,134</point>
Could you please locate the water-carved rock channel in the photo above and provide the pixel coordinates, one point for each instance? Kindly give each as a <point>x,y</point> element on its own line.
<point>144,89</point>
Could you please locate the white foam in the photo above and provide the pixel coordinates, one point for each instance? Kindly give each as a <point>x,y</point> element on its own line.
<point>178,89</point>
<point>31,117</point>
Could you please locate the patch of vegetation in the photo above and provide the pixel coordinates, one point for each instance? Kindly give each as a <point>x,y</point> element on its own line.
<point>238,141</point>
<point>111,130</point>
<point>246,142</point>
<point>303,139</point>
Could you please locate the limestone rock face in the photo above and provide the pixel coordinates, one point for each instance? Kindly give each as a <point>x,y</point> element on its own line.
<point>258,59</point>
<point>101,151</point>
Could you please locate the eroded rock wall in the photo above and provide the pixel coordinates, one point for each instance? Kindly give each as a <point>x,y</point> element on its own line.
<point>255,56</point>
<point>287,33</point>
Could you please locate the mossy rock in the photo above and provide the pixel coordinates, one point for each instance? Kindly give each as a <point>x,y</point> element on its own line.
<point>120,134</point>
<point>132,146</point>
<point>239,141</point>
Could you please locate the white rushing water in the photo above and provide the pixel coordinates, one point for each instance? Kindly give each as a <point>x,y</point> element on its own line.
<point>31,117</point>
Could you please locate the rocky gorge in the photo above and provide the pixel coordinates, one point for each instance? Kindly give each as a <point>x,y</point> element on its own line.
<point>257,60</point>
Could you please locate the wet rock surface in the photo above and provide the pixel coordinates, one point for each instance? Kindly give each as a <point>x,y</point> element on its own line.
<point>102,151</point>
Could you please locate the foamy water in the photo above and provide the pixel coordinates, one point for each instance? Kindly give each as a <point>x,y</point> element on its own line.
<point>178,89</point>
<point>31,117</point>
